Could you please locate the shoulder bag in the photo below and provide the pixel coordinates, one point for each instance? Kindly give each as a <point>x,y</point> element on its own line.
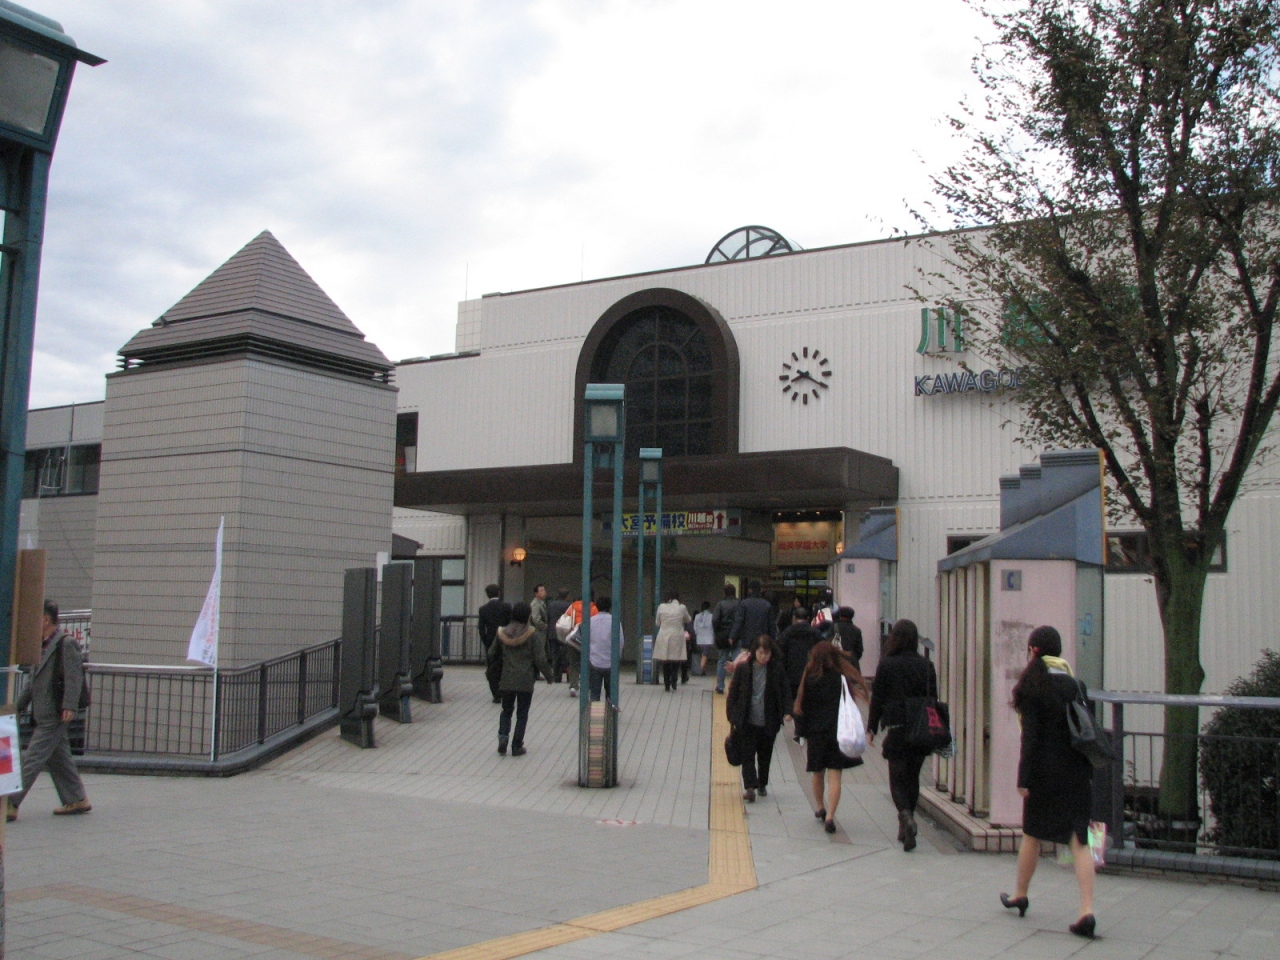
<point>928,724</point>
<point>1087,737</point>
<point>851,732</point>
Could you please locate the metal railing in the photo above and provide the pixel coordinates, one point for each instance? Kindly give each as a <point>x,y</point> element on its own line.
<point>1242,820</point>
<point>163,711</point>
<point>460,640</point>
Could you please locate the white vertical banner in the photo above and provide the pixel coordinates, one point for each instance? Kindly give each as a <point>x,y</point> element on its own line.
<point>203,647</point>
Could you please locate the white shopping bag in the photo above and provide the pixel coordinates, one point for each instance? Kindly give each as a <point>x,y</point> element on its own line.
<point>10,756</point>
<point>851,733</point>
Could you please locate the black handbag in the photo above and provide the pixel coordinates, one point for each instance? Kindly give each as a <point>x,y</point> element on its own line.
<point>1087,737</point>
<point>733,750</point>
<point>928,724</point>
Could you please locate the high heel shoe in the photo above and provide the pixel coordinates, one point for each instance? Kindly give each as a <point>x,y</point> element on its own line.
<point>1085,926</point>
<point>821,813</point>
<point>829,826</point>
<point>1020,904</point>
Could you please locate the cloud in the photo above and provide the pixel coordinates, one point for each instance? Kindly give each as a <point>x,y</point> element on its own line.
<point>408,152</point>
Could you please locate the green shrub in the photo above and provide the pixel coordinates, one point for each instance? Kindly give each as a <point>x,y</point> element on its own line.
<point>1242,777</point>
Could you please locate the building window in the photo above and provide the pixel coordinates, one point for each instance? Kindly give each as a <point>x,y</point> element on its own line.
<point>406,443</point>
<point>959,543</point>
<point>664,359</point>
<point>453,587</point>
<point>1130,552</point>
<point>61,471</point>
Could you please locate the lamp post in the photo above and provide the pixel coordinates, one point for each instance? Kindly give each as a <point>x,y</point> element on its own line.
<point>603,425</point>
<point>650,475</point>
<point>36,63</point>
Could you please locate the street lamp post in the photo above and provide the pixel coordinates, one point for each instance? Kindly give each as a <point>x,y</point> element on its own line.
<point>604,422</point>
<point>36,63</point>
<point>650,475</point>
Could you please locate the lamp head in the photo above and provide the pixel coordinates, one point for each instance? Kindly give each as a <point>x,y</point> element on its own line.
<point>603,420</point>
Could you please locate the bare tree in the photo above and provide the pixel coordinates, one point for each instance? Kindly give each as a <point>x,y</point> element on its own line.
<point>1128,154</point>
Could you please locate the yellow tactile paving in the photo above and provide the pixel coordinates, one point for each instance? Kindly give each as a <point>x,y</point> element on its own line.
<point>731,869</point>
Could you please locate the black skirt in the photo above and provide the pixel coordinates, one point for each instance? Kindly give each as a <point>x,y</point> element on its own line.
<point>824,754</point>
<point>1056,817</point>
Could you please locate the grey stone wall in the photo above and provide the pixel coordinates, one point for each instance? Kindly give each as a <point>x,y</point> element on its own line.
<point>299,463</point>
<point>64,528</point>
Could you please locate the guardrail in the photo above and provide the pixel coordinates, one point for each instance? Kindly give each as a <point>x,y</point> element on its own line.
<point>460,640</point>
<point>199,720</point>
<point>1245,825</point>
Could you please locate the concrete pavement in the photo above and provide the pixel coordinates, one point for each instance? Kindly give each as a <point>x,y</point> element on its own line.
<point>433,843</point>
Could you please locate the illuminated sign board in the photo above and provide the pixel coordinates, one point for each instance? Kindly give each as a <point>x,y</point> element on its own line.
<point>683,523</point>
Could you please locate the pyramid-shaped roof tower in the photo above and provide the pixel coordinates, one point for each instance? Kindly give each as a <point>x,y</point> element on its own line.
<point>259,302</point>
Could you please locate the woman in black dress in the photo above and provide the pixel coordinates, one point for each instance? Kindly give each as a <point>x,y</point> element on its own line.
<point>816,713</point>
<point>902,674</point>
<point>1054,779</point>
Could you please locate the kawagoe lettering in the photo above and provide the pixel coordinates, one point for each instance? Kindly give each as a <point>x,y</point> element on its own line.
<point>968,381</point>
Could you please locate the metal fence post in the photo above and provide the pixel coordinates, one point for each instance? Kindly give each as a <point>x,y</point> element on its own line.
<point>302,686</point>
<point>262,703</point>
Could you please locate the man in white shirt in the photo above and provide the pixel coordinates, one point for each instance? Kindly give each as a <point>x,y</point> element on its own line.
<point>601,638</point>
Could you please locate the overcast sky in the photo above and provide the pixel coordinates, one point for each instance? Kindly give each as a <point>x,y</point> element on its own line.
<point>411,154</point>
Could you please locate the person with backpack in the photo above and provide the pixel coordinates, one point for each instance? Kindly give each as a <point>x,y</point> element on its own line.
<point>56,692</point>
<point>1055,780</point>
<point>848,636</point>
<point>722,627</point>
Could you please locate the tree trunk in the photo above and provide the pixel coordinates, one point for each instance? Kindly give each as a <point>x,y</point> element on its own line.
<point>1181,598</point>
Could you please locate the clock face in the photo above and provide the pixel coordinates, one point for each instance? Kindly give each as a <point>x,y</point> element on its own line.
<point>805,375</point>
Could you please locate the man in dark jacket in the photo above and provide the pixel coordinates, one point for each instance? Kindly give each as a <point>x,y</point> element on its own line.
<point>722,619</point>
<point>795,644</point>
<point>54,698</point>
<point>555,648</point>
<point>753,617</point>
<point>849,636</point>
<point>494,614</point>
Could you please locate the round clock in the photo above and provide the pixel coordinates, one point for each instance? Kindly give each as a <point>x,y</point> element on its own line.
<point>805,375</point>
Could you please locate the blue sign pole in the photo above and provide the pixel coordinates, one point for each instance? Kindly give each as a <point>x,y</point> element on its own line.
<point>640,585</point>
<point>584,634</point>
<point>615,638</point>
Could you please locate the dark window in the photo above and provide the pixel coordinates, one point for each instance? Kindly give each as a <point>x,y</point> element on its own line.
<point>407,443</point>
<point>1131,553</point>
<point>666,363</point>
<point>959,543</point>
<point>61,471</point>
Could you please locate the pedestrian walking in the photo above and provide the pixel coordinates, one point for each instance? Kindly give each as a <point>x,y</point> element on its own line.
<point>54,697</point>
<point>555,649</point>
<point>848,636</point>
<point>795,645</point>
<point>538,614</point>
<point>1054,779</point>
<point>752,617</point>
<point>817,714</point>
<point>722,619</point>
<point>759,698</point>
<point>669,646</point>
<point>903,679</point>
<point>704,634</point>
<point>522,656</point>
<point>494,613</point>
<point>572,648</point>
<point>600,657</point>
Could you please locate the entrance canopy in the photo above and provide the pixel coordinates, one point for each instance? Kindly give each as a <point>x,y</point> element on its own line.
<point>825,477</point>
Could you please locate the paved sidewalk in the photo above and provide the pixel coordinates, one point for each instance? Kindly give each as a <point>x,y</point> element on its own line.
<point>433,842</point>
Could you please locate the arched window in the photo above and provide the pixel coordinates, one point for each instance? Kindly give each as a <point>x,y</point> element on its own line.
<point>679,362</point>
<point>664,359</point>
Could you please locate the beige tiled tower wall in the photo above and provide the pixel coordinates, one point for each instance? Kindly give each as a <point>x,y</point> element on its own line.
<point>300,463</point>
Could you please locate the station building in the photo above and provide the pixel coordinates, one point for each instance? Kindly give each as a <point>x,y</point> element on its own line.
<point>805,401</point>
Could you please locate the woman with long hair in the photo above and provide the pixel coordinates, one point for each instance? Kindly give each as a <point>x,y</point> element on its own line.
<point>1054,779</point>
<point>817,713</point>
<point>758,699</point>
<point>902,674</point>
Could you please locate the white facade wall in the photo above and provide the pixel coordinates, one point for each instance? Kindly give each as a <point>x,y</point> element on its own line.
<point>854,304</point>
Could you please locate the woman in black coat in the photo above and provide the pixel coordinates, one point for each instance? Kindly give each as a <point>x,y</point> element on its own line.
<point>1054,779</point>
<point>759,697</point>
<point>817,715</point>
<point>901,674</point>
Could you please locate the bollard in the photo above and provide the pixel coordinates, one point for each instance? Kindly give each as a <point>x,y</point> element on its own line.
<point>425,665</point>
<point>357,687</point>
<point>394,638</point>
